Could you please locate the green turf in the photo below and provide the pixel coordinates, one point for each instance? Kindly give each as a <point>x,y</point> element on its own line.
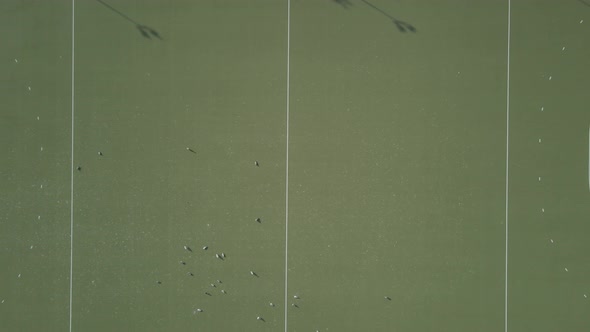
<point>397,165</point>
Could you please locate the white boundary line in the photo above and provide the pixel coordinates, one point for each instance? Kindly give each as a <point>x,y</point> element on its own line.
<point>287,158</point>
<point>589,158</point>
<point>507,159</point>
<point>72,176</point>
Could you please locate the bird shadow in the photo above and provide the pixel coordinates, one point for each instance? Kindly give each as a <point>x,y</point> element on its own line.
<point>146,31</point>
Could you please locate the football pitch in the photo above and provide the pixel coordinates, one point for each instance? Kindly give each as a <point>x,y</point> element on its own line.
<point>295,165</point>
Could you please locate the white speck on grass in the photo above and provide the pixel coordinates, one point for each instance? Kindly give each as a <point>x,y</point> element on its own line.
<point>29,88</point>
<point>542,210</point>
<point>38,217</point>
<point>539,140</point>
<point>539,179</point>
<point>18,275</point>
<point>37,118</point>
<point>32,247</point>
<point>550,77</point>
<point>563,48</point>
<point>551,240</point>
<point>41,186</point>
<point>581,21</point>
<point>16,60</point>
<point>3,300</point>
<point>585,296</point>
<point>566,270</point>
<point>41,148</point>
<point>542,108</point>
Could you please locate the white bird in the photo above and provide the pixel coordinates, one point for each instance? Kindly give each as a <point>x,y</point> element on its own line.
<point>259,318</point>
<point>217,255</point>
<point>205,248</point>
<point>223,291</point>
<point>295,296</point>
<point>252,273</point>
<point>256,163</point>
<point>213,285</point>
<point>272,304</point>
<point>223,255</point>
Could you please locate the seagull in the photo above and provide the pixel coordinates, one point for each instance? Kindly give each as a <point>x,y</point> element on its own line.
<point>183,262</point>
<point>188,248</point>
<point>253,273</point>
<point>258,220</point>
<point>256,163</point>
<point>205,248</point>
<point>272,304</point>
<point>223,291</point>
<point>296,296</point>
<point>223,255</point>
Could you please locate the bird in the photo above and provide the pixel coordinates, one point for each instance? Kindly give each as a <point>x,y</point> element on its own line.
<point>218,256</point>
<point>205,248</point>
<point>387,298</point>
<point>213,285</point>
<point>79,168</point>
<point>296,297</point>
<point>183,262</point>
<point>99,153</point>
<point>256,163</point>
<point>223,255</point>
<point>272,304</point>
<point>187,248</point>
<point>253,273</point>
<point>295,305</point>
<point>218,281</point>
<point>258,220</point>
<point>223,291</point>
<point>159,282</point>
<point>190,150</point>
<point>190,274</point>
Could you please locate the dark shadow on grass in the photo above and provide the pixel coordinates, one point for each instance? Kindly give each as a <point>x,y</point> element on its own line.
<point>144,30</point>
<point>401,25</point>
<point>344,3</point>
<point>585,2</point>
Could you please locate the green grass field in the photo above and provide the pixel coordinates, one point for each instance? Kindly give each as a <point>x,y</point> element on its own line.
<point>396,136</point>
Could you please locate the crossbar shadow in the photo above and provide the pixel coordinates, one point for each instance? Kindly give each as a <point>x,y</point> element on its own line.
<point>144,30</point>
<point>401,25</point>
